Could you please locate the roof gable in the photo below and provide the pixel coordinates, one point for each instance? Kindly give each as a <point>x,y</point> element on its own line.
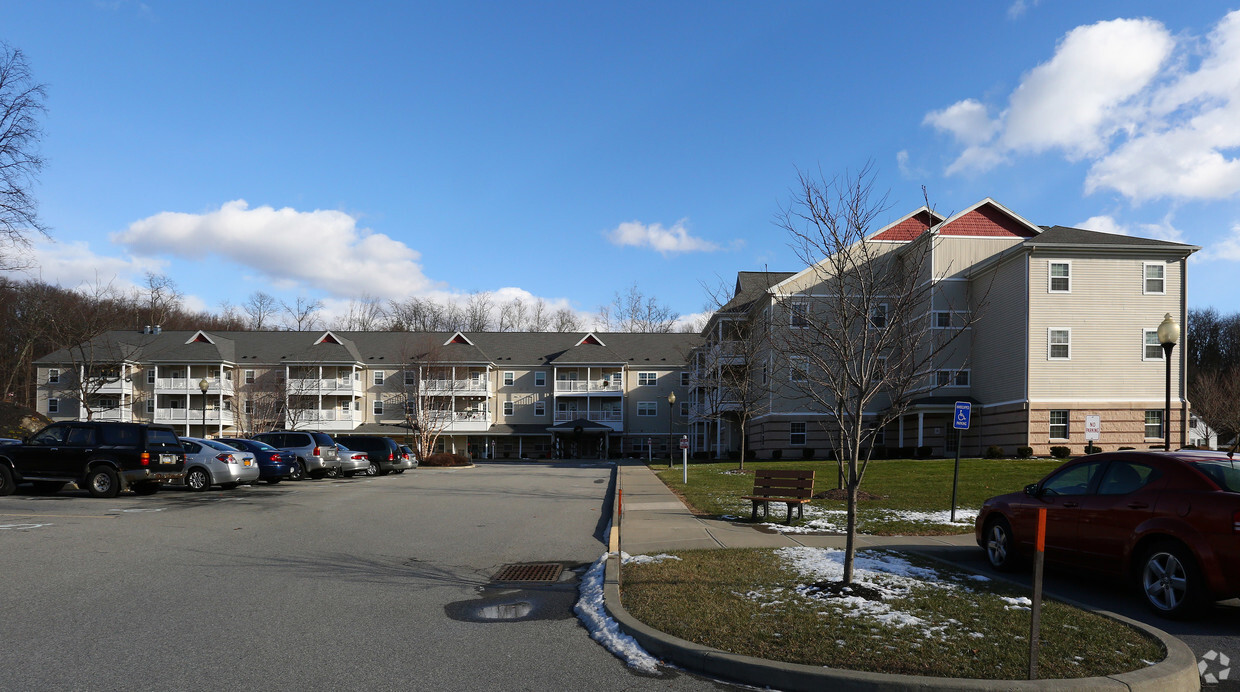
<point>200,337</point>
<point>458,338</point>
<point>590,339</point>
<point>988,219</point>
<point>909,227</point>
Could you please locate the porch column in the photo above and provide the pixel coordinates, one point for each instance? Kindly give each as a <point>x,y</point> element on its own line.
<point>901,440</point>
<point>921,429</point>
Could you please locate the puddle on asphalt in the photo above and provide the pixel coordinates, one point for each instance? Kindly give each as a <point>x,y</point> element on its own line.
<point>524,603</point>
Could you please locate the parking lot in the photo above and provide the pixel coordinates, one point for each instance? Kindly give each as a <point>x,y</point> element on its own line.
<point>365,583</point>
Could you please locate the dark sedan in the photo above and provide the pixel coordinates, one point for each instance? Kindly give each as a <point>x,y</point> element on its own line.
<point>1168,522</point>
<point>274,465</point>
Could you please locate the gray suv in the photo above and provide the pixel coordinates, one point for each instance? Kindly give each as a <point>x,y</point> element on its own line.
<point>316,452</point>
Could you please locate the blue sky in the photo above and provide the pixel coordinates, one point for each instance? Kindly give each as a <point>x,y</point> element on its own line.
<point>565,151</point>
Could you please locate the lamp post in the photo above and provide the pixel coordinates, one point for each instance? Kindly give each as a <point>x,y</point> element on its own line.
<point>1168,334</point>
<point>204,385</point>
<point>671,448</point>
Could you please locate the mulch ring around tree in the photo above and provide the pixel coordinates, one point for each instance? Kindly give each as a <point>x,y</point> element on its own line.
<point>837,494</point>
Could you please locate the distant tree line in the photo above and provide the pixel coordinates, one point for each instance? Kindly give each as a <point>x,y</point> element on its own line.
<point>1213,352</point>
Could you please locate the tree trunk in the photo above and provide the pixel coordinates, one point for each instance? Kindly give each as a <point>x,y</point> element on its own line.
<point>850,545</point>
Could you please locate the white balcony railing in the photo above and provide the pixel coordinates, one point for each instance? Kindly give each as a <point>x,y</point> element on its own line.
<point>594,416</point>
<point>308,386</point>
<point>587,386</point>
<point>193,415</point>
<point>446,387</point>
<point>187,385</point>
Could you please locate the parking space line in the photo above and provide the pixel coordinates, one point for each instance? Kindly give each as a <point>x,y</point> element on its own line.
<point>63,516</point>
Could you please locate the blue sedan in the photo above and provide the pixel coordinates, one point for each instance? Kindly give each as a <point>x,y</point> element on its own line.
<point>274,465</point>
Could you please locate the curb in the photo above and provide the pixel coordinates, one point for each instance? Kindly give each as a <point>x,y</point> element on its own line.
<point>1178,671</point>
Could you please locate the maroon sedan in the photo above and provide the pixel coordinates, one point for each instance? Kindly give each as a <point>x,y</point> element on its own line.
<point>1169,521</point>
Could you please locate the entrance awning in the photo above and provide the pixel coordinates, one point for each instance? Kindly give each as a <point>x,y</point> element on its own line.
<point>580,425</point>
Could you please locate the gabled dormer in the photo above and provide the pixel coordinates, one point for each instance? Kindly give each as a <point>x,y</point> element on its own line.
<point>328,338</point>
<point>590,339</point>
<point>460,339</point>
<point>200,337</point>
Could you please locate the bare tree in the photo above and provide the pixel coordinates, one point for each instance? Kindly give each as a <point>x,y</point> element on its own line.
<point>855,337</point>
<point>158,300</point>
<point>513,316</point>
<point>428,386</point>
<point>365,314</point>
<point>21,105</point>
<point>478,312</point>
<point>260,309</point>
<point>1216,400</point>
<point>565,320</point>
<point>261,404</point>
<point>415,315</point>
<point>95,359</point>
<point>633,311</point>
<point>540,316</point>
<point>302,315</point>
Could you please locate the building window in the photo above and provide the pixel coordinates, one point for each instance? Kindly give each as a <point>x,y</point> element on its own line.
<point>1060,278</point>
<point>249,406</point>
<point>798,369</point>
<point>798,311</point>
<point>53,376</point>
<point>796,433</point>
<point>952,378</point>
<point>684,408</point>
<point>540,379</point>
<point>1155,278</point>
<point>1059,344</point>
<point>378,407</point>
<point>1154,424</point>
<point>509,378</point>
<point>647,408</point>
<point>540,408</point>
<point>378,377</point>
<point>1059,425</point>
<point>942,319</point>
<point>684,379</point>
<point>150,375</point>
<point>249,377</point>
<point>878,316</point>
<point>150,405</point>
<point>507,408</point>
<point>411,378</point>
<point>53,405</point>
<point>647,378</point>
<point>1153,349</point>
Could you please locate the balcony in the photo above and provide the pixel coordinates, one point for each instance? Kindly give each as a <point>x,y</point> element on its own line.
<point>118,415</point>
<point>322,419</point>
<point>460,421</point>
<point>587,387</point>
<point>194,416</point>
<point>615,419</point>
<point>312,386</point>
<point>188,385</point>
<point>117,386</point>
<point>455,387</point>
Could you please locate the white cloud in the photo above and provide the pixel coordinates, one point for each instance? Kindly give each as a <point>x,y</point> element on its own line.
<point>1103,224</point>
<point>1226,249</point>
<point>321,249</point>
<point>1163,230</point>
<point>1154,115</point>
<point>656,237</point>
<point>75,265</point>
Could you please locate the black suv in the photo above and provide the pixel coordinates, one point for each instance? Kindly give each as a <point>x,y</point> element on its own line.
<point>385,455</point>
<point>103,458</point>
<point>316,452</point>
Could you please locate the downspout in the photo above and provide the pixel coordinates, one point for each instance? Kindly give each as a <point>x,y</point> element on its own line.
<point>1184,353</point>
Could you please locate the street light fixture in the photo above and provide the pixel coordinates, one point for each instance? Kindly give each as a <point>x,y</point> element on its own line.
<point>204,385</point>
<point>671,436</point>
<point>1168,334</point>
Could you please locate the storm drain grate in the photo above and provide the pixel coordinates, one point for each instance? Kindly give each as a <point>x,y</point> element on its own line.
<point>541,571</point>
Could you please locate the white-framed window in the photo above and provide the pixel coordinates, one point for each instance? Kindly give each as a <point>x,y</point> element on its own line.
<point>150,405</point>
<point>540,408</point>
<point>378,407</point>
<point>796,433</point>
<point>248,406</point>
<point>53,405</point>
<point>647,408</point>
<point>941,319</point>
<point>378,377</point>
<point>1059,425</point>
<point>798,369</point>
<point>880,437</point>
<point>411,377</point>
<point>684,409</point>
<point>507,408</point>
<point>951,378</point>
<point>410,408</point>
<point>357,405</point>
<point>798,314</point>
<point>345,408</point>
<point>1058,344</point>
<point>53,375</point>
<point>150,376</point>
<point>1154,424</point>
<point>509,378</point>
<point>249,377</point>
<point>1059,277</point>
<point>540,379</point>
<point>878,316</point>
<point>647,378</point>
<point>1151,348</point>
<point>684,379</point>
<point>1155,274</point>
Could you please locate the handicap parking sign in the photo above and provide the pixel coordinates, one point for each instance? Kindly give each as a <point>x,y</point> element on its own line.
<point>961,419</point>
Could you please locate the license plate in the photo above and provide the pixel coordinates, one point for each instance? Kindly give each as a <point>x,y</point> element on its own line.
<point>247,462</point>
<point>167,458</point>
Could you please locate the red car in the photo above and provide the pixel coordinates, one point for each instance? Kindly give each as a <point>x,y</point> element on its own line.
<point>1167,521</point>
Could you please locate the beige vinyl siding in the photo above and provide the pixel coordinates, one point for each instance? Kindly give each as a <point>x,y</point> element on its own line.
<point>1000,349</point>
<point>1106,312</point>
<point>954,256</point>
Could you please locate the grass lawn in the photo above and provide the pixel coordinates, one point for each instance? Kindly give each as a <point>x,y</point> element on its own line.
<point>914,496</point>
<point>932,620</point>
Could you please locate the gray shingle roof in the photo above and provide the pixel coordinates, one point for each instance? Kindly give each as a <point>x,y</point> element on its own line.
<point>1063,235</point>
<point>750,286</point>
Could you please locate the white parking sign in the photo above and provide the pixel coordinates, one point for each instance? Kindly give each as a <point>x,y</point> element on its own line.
<point>1093,427</point>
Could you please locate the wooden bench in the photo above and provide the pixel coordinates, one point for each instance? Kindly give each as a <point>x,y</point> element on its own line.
<point>789,487</point>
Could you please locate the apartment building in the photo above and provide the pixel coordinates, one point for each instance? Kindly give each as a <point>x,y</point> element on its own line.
<point>491,395</point>
<point>1062,324</point>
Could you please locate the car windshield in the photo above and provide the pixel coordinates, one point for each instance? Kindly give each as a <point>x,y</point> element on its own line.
<point>1225,474</point>
<point>216,444</point>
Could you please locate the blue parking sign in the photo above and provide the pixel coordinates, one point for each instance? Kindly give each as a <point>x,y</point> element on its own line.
<point>961,419</point>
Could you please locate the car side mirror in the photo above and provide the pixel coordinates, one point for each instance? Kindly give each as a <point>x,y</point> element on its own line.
<point>1032,490</point>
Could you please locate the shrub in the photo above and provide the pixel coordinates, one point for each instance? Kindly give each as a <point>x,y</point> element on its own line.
<point>700,455</point>
<point>907,452</point>
<point>1024,452</point>
<point>445,459</point>
<point>777,454</point>
<point>807,453</point>
<point>1060,452</point>
<point>1125,449</point>
<point>994,452</point>
<point>923,452</point>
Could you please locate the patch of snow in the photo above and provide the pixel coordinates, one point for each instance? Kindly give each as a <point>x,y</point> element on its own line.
<point>645,559</point>
<point>1018,603</point>
<point>836,520</point>
<point>603,629</point>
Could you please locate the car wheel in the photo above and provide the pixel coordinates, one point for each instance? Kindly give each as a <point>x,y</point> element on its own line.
<point>228,486</point>
<point>1171,581</point>
<point>146,488</point>
<point>197,480</point>
<point>102,482</point>
<point>273,481</point>
<point>373,469</point>
<point>47,487</point>
<point>299,471</point>
<point>7,486</point>
<point>1000,548</point>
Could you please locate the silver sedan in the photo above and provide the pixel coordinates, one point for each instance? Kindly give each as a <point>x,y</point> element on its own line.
<point>208,462</point>
<point>351,461</point>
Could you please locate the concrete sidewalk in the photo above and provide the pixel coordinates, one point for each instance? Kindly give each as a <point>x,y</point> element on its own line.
<point>648,517</point>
